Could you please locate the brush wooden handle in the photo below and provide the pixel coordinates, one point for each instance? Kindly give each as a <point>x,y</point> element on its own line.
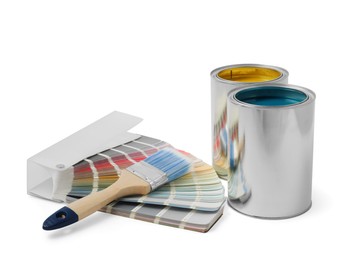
<point>127,184</point>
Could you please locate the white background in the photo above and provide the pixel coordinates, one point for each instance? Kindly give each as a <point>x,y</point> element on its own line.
<point>65,64</point>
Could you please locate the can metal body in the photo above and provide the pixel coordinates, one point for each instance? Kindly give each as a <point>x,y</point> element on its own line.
<point>270,152</point>
<point>223,80</point>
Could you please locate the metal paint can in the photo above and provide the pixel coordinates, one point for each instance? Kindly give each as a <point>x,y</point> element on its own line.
<point>270,152</point>
<point>223,80</point>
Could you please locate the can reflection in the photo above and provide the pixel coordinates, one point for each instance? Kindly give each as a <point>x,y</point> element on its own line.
<point>238,188</point>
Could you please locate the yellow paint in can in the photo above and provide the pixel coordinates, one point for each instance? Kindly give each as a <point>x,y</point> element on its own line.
<point>249,74</point>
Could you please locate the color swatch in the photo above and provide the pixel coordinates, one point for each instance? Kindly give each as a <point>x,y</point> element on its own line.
<point>194,201</point>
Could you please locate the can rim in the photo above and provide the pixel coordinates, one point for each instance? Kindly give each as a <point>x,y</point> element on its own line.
<point>311,96</point>
<point>214,73</point>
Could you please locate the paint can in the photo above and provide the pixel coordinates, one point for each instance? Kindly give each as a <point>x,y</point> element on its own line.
<point>223,80</point>
<point>270,152</point>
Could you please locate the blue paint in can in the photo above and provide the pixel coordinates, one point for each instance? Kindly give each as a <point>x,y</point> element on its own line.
<point>271,96</point>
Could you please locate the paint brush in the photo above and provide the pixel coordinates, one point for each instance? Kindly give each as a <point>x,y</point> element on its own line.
<point>138,179</point>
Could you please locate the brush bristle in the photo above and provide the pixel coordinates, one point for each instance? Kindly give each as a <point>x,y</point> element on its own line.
<point>171,162</point>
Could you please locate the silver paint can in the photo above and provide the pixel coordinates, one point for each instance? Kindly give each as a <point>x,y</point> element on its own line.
<point>270,152</point>
<point>223,80</point>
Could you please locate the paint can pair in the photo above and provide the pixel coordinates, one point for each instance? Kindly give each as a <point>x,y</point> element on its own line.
<point>270,150</point>
<point>224,80</point>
